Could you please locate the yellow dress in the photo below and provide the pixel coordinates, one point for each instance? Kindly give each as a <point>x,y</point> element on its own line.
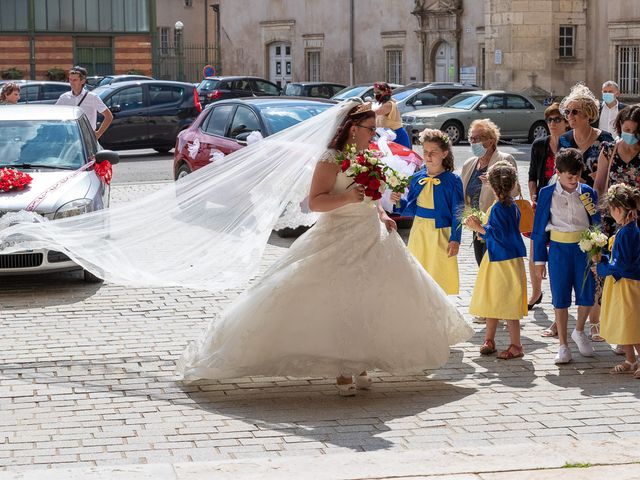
<point>429,244</point>
<point>619,317</point>
<point>500,290</point>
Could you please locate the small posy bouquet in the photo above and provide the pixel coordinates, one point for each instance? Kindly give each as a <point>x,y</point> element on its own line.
<point>397,182</point>
<point>592,241</point>
<point>467,212</point>
<point>366,169</point>
<point>11,179</point>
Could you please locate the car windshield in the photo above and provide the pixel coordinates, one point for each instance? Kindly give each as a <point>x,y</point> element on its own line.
<point>105,81</point>
<point>463,101</point>
<point>351,92</point>
<point>40,143</point>
<point>404,92</point>
<point>284,116</point>
<point>206,85</point>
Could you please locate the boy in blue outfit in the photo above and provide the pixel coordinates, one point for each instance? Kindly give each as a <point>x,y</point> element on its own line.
<point>565,210</point>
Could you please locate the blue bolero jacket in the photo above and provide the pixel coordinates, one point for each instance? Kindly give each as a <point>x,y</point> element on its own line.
<point>539,235</point>
<point>448,201</point>
<point>502,233</point>
<point>625,257</point>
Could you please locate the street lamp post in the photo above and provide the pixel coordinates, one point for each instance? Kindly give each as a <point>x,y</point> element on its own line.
<point>179,52</point>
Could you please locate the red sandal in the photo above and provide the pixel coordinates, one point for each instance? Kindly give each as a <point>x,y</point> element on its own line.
<point>509,354</point>
<point>488,347</point>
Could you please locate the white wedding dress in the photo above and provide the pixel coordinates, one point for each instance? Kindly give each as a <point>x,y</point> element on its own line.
<point>347,296</point>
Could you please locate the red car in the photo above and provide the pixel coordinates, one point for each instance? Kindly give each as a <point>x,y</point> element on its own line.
<point>223,127</point>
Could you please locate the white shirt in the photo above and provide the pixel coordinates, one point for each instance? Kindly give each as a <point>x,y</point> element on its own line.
<point>608,118</point>
<point>91,105</point>
<point>567,211</point>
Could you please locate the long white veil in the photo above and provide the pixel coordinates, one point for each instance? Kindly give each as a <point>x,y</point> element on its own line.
<point>206,231</point>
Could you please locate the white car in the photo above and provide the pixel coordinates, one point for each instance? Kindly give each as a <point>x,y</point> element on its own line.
<point>52,144</point>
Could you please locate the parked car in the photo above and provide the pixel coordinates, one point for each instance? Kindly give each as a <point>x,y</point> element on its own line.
<point>147,114</point>
<point>50,143</point>
<point>417,96</point>
<point>93,81</point>
<point>212,89</point>
<point>517,116</point>
<point>363,91</point>
<point>110,79</point>
<point>39,91</point>
<point>224,126</point>
<point>312,89</point>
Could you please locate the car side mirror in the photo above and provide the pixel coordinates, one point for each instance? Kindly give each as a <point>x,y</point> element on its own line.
<point>242,137</point>
<point>368,99</point>
<point>417,103</point>
<point>108,155</point>
<point>115,109</point>
<point>483,106</point>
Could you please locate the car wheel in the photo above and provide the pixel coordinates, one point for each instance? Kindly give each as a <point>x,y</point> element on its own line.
<point>183,171</point>
<point>162,149</point>
<point>454,131</point>
<point>91,278</point>
<point>538,130</point>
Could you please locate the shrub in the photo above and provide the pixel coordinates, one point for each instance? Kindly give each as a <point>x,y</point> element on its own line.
<point>56,74</point>
<point>11,74</point>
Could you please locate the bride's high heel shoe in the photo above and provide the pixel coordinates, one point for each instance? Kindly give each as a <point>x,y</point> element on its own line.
<point>346,389</point>
<point>363,382</point>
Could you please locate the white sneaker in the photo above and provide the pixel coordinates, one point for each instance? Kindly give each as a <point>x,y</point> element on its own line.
<point>583,342</point>
<point>563,356</point>
<point>479,320</point>
<point>348,390</point>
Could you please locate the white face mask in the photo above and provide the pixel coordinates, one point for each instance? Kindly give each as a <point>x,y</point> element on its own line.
<point>608,97</point>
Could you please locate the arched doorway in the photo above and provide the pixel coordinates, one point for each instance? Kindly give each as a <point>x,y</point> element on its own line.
<point>445,63</point>
<point>280,63</point>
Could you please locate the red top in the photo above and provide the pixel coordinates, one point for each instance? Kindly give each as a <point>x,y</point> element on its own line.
<point>550,166</point>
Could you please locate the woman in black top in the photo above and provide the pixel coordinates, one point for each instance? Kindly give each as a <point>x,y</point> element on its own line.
<point>541,169</point>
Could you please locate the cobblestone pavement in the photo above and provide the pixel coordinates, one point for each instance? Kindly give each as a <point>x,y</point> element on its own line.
<point>86,378</point>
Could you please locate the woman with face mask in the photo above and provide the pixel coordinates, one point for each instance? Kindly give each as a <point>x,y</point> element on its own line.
<point>483,136</point>
<point>387,114</point>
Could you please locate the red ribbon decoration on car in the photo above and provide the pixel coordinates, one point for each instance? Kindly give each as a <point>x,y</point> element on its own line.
<point>104,171</point>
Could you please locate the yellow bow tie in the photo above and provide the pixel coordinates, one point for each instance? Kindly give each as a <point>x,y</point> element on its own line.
<point>431,180</point>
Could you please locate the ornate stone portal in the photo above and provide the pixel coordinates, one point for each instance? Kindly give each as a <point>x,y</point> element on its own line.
<point>439,36</point>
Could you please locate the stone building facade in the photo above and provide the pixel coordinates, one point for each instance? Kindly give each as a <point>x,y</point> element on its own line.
<point>540,46</point>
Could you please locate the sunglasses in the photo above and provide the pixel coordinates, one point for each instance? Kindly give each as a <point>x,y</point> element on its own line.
<point>573,112</point>
<point>371,129</point>
<point>555,119</point>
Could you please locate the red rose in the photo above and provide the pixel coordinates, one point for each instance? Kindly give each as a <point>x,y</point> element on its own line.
<point>345,164</point>
<point>374,183</point>
<point>360,159</point>
<point>362,178</point>
<point>376,195</point>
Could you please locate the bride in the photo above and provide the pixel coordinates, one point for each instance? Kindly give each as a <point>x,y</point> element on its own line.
<point>346,297</point>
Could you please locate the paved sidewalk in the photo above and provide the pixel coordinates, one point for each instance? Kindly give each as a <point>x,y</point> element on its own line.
<point>86,380</point>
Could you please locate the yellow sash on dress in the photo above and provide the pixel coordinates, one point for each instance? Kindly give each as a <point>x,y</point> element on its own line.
<point>427,193</point>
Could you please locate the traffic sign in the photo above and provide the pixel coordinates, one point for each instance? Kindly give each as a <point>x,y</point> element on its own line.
<point>208,71</point>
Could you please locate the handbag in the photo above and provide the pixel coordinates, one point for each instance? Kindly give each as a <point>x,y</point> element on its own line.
<point>526,215</point>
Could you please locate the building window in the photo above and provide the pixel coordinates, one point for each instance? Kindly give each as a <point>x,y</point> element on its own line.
<point>628,66</point>
<point>164,40</point>
<point>313,66</point>
<point>188,3</point>
<point>567,41</point>
<point>394,66</point>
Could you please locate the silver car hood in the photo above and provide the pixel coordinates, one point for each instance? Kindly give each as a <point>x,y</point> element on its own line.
<point>69,190</point>
<point>433,112</point>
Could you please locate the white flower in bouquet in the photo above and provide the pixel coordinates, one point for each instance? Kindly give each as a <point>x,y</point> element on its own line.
<point>601,239</point>
<point>394,181</point>
<point>585,245</point>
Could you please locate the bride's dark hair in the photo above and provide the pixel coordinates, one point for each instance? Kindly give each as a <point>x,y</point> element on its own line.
<point>355,116</point>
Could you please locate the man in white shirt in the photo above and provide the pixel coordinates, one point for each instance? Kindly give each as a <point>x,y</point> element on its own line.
<point>609,107</point>
<point>88,101</point>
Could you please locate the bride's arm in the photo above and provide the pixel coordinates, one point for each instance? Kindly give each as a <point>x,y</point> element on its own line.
<point>320,197</point>
<point>385,218</point>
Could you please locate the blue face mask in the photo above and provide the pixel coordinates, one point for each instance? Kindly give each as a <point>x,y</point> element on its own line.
<point>608,97</point>
<point>629,138</point>
<point>478,149</point>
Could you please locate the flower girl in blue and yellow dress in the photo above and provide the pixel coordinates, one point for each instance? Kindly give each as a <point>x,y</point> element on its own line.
<point>500,291</point>
<point>619,319</point>
<point>435,199</point>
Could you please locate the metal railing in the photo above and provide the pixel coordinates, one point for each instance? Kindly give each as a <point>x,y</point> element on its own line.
<point>184,61</point>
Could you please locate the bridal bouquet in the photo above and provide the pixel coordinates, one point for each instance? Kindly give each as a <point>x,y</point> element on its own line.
<point>366,169</point>
<point>11,179</point>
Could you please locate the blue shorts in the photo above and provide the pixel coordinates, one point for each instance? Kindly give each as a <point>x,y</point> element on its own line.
<point>402,137</point>
<point>569,269</point>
